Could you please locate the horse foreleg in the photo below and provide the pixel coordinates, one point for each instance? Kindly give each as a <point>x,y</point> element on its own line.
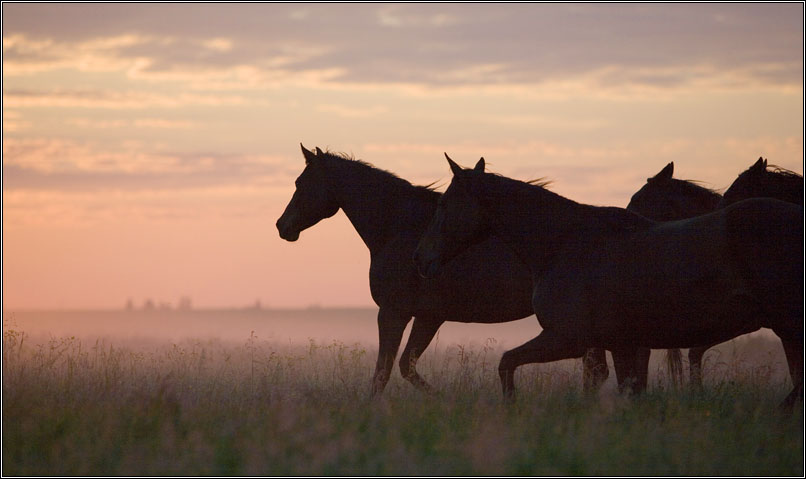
<point>642,368</point>
<point>628,370</point>
<point>422,332</point>
<point>546,347</point>
<point>594,370</point>
<point>391,324</point>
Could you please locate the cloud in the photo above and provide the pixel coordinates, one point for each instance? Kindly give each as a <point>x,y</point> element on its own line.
<point>352,112</point>
<point>156,123</point>
<point>400,16</point>
<point>443,45</point>
<point>53,164</point>
<point>74,207</point>
<point>112,99</point>
<point>14,122</point>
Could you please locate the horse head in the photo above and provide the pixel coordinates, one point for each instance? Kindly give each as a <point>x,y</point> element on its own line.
<point>760,182</point>
<point>312,200</point>
<point>664,198</point>
<point>456,224</point>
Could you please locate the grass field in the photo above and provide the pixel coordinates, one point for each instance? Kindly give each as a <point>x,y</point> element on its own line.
<point>257,407</point>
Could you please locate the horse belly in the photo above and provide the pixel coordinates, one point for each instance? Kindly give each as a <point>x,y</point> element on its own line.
<point>486,284</point>
<point>766,241</point>
<point>683,292</point>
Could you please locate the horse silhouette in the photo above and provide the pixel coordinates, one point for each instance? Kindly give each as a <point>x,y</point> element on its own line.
<point>610,278</point>
<point>486,284</point>
<point>664,198</point>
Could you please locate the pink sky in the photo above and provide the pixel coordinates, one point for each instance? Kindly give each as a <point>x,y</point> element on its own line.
<point>148,149</point>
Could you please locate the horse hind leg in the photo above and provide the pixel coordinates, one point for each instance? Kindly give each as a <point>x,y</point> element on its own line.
<point>548,346</point>
<point>793,348</point>
<point>632,367</point>
<point>674,363</point>
<point>422,332</point>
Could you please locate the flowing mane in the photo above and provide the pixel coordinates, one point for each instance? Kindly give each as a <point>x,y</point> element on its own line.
<point>607,217</point>
<point>378,175</point>
<point>784,174</point>
<point>695,187</point>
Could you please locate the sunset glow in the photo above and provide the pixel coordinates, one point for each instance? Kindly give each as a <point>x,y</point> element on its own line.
<point>148,149</point>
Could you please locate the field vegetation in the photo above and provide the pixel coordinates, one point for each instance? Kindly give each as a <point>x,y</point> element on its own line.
<point>256,407</point>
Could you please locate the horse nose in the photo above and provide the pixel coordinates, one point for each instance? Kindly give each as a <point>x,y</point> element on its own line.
<point>285,231</point>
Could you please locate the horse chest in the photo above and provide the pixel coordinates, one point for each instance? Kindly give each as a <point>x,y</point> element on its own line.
<point>393,280</point>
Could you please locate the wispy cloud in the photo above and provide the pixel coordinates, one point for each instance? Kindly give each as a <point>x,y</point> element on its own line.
<point>399,16</point>
<point>157,123</point>
<point>13,121</point>
<point>112,99</point>
<point>431,45</point>
<point>352,112</point>
<point>23,207</point>
<point>54,164</point>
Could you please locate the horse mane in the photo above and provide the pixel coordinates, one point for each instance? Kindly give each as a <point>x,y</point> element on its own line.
<point>381,175</point>
<point>783,173</point>
<point>610,218</point>
<point>695,187</point>
<point>542,182</point>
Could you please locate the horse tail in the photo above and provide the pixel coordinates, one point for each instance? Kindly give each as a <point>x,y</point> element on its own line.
<point>674,361</point>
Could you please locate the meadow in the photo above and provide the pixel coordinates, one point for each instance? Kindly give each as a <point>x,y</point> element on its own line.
<point>74,405</point>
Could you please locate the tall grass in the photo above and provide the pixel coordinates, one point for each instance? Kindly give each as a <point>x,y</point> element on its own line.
<point>261,408</point>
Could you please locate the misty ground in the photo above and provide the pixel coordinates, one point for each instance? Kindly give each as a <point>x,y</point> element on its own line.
<point>255,392</point>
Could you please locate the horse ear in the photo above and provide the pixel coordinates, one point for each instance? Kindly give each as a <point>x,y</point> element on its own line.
<point>666,173</point>
<point>480,165</point>
<point>308,154</point>
<point>454,167</point>
<point>319,152</point>
<point>760,165</point>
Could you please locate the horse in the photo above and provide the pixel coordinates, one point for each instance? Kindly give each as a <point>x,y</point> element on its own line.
<point>487,284</point>
<point>606,277</point>
<point>664,198</point>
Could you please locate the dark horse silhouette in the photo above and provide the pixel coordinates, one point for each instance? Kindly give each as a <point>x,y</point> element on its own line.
<point>487,284</point>
<point>609,278</point>
<point>664,198</point>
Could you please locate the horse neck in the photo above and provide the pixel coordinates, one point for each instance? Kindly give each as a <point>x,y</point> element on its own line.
<point>378,205</point>
<point>785,188</point>
<point>533,221</point>
<point>537,223</point>
<point>699,203</point>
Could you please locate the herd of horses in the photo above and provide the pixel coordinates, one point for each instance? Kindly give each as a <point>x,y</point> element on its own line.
<point>681,267</point>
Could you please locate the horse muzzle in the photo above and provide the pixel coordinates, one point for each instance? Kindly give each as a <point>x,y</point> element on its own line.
<point>286,233</point>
